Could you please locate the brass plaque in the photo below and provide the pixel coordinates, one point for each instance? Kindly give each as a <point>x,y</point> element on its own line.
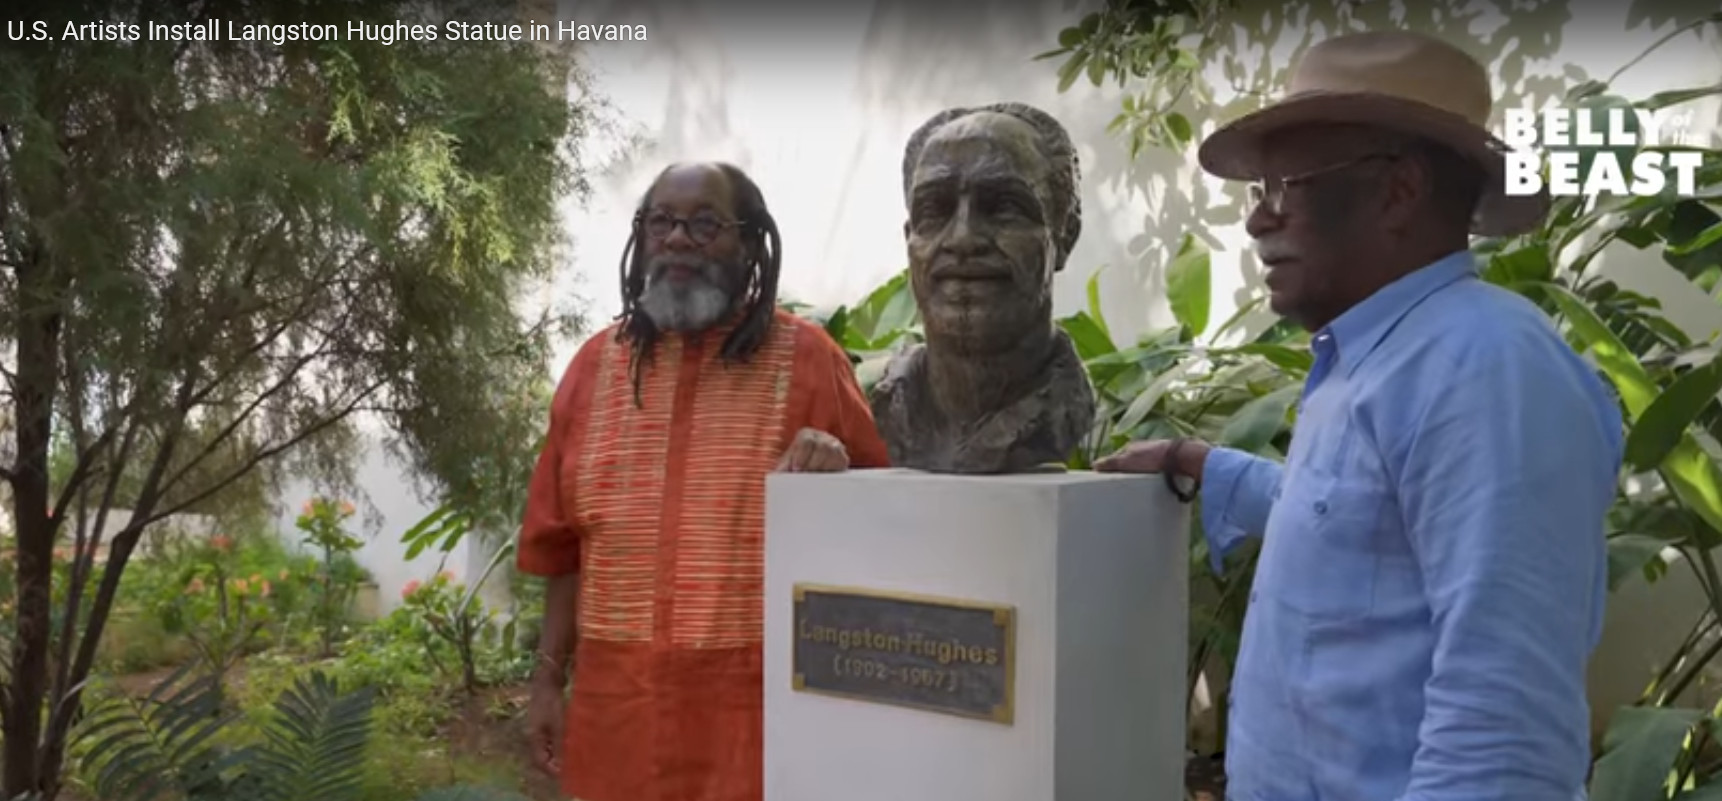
<point>936,654</point>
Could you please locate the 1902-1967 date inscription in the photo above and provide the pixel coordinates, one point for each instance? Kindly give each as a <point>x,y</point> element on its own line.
<point>929,653</point>
<point>862,667</point>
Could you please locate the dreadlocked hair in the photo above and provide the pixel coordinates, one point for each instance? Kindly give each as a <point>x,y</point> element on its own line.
<point>763,246</point>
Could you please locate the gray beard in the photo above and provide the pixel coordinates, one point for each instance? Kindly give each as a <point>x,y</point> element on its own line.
<point>688,309</point>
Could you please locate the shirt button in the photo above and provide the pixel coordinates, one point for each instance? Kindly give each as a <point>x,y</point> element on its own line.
<point>1321,507</point>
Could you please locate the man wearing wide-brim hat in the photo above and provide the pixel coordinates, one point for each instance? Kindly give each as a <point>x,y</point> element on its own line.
<point>1433,571</point>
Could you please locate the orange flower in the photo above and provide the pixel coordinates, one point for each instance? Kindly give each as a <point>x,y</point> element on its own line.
<point>346,509</point>
<point>409,589</point>
<point>310,508</point>
<point>195,587</point>
<point>263,589</point>
<point>221,542</point>
<point>240,587</point>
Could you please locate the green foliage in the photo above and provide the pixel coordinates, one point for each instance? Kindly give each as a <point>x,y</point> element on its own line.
<point>220,610</point>
<point>440,634</point>
<point>321,521</point>
<point>316,749</point>
<point>444,528</point>
<point>1189,288</point>
<point>1166,54</point>
<point>168,745</point>
<point>1158,47</point>
<point>1638,750</point>
<point>1668,385</point>
<point>176,590</point>
<point>181,743</point>
<point>160,746</point>
<point>883,323</point>
<point>455,614</point>
<point>290,235</point>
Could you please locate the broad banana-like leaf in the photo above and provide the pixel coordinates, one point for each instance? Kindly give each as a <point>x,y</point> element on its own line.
<point>1689,471</point>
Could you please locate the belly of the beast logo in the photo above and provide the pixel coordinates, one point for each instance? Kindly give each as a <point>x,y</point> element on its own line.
<point>1609,137</point>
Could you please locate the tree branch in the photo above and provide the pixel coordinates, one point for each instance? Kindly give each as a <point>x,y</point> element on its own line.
<point>293,316</point>
<point>264,454</point>
<point>82,471</point>
<point>124,542</point>
<point>244,416</point>
<point>74,591</point>
<point>84,563</point>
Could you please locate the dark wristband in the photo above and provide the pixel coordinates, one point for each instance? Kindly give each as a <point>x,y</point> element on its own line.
<point>1169,471</point>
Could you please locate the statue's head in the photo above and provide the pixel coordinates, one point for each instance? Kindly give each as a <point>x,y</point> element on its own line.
<point>994,210</point>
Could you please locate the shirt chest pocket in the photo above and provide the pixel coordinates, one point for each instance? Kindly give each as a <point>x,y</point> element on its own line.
<point>1324,545</point>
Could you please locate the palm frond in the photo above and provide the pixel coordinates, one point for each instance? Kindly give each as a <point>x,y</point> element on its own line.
<point>159,746</point>
<point>316,744</point>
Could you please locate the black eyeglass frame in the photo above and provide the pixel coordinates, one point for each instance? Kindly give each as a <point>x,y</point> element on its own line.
<point>703,227</point>
<point>1272,191</point>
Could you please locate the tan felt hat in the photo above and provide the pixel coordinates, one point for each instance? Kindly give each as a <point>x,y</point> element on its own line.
<point>1397,80</point>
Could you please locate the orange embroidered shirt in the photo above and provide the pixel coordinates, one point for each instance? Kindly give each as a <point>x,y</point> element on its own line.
<point>661,510</point>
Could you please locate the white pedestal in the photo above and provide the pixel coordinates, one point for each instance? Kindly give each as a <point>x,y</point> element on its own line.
<point>1095,568</point>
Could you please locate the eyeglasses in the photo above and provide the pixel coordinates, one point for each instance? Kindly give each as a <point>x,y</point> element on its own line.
<point>702,227</point>
<point>1272,191</point>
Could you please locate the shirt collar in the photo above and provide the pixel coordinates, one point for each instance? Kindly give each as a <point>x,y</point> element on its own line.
<point>1357,332</point>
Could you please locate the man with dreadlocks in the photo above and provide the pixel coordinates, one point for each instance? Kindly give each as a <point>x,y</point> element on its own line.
<point>646,510</point>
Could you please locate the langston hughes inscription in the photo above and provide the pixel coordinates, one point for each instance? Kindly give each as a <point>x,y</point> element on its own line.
<point>928,653</point>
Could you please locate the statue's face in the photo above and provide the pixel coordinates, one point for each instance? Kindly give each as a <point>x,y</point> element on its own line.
<point>981,248</point>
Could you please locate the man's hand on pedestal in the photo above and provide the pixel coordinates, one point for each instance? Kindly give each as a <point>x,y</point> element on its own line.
<point>814,451</point>
<point>1158,456</point>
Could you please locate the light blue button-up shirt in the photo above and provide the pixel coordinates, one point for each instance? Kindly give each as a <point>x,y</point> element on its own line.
<point>1433,571</point>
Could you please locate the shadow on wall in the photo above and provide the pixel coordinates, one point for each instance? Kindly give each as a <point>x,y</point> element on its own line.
<point>919,58</point>
<point>692,43</point>
<point>914,59</point>
<point>696,108</point>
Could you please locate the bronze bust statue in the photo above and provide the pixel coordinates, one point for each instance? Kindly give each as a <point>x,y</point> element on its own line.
<point>994,210</point>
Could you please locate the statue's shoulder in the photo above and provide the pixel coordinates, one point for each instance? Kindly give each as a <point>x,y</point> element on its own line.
<point>1069,389</point>
<point>1066,359</point>
<point>901,371</point>
<point>904,365</point>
